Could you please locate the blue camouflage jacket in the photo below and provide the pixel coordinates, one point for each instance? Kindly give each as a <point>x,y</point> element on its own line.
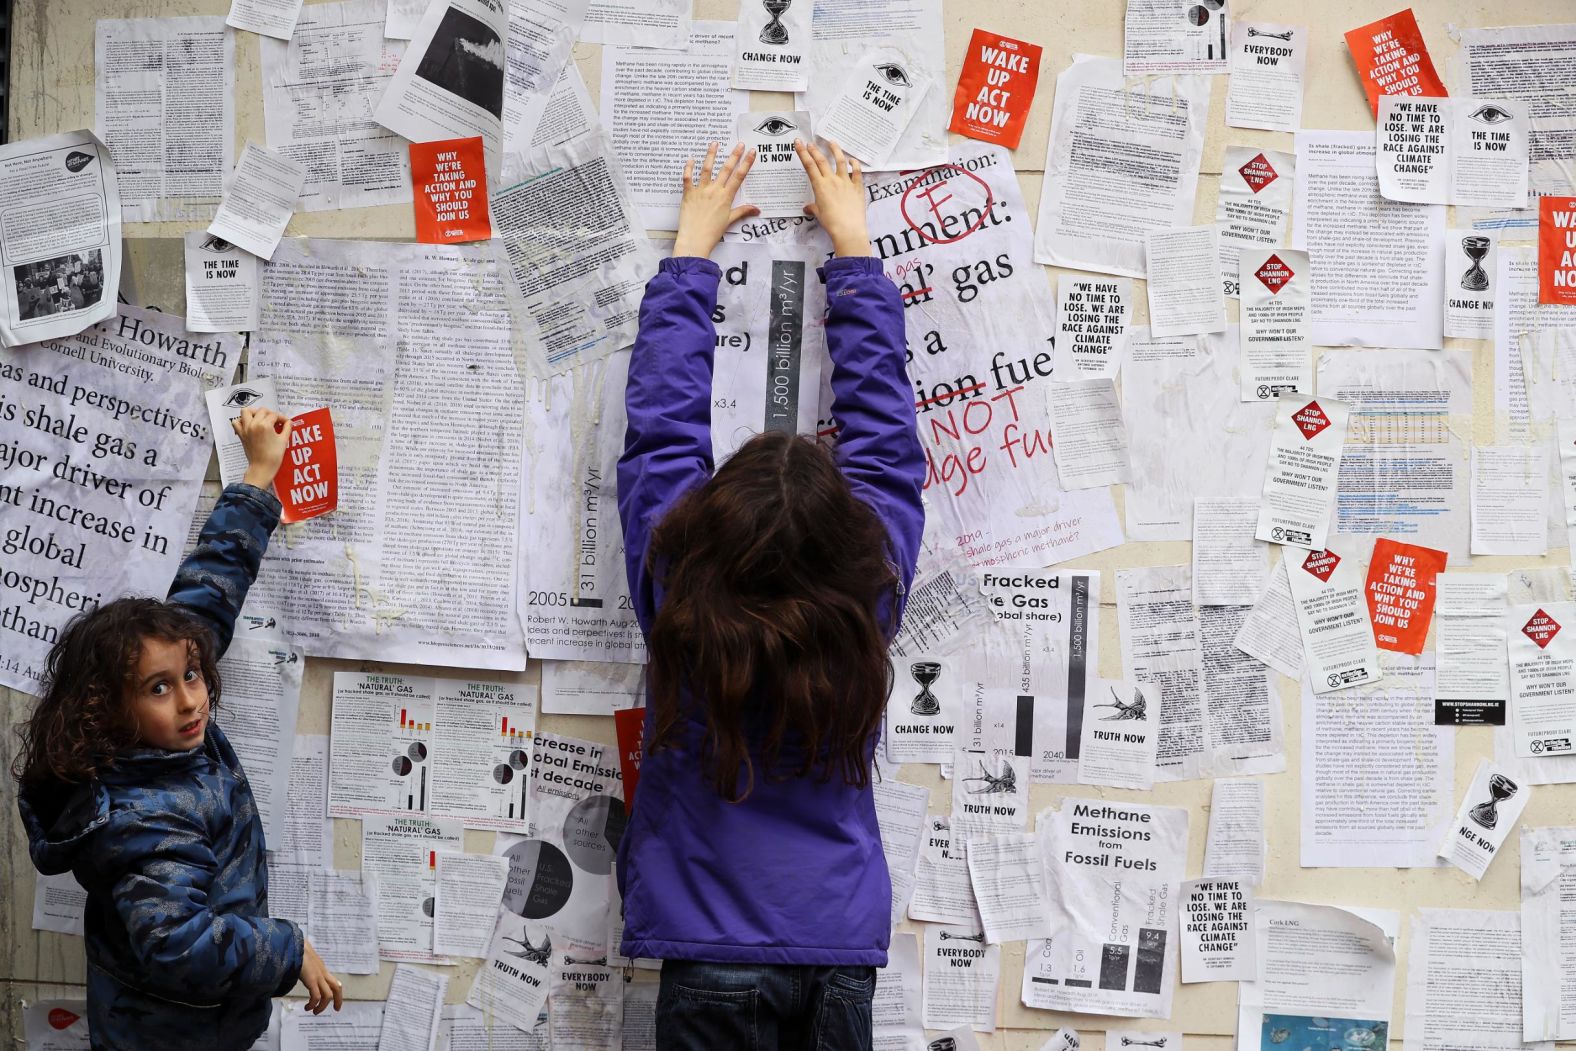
<point>181,951</point>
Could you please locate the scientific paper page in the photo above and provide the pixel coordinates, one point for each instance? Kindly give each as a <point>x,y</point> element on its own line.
<point>259,198</point>
<point>943,892</point>
<point>1090,441</point>
<point>539,76</point>
<point>1276,330</point>
<point>464,1028</point>
<point>1377,773</point>
<point>61,237</point>
<point>450,81</point>
<point>1122,160</point>
<point>591,687</point>
<point>1463,982</point>
<point>398,339</point>
<point>646,23</point>
<point>1236,846</point>
<point>400,854</point>
<point>410,1018</point>
<point>262,695</point>
<point>895,1008</point>
<point>956,241</point>
<point>1228,561</point>
<point>1548,928</point>
<point>846,29</point>
<point>1267,65</point>
<point>574,278</point>
<point>1404,466</point>
<point>449,748</point>
<point>1007,871</point>
<point>165,96</point>
<point>1115,873</point>
<point>1378,267</point>
<point>1325,974</point>
<point>1254,205</point>
<point>1510,499</point>
<point>342,919</point>
<point>1174,36</point>
<point>1472,678</point>
<point>1332,615</point>
<point>1217,447</point>
<point>900,813</point>
<point>107,443</point>
<point>1519,316</point>
<point>961,973</point>
<point>1184,282</point>
<point>652,137</point>
<point>354,1027</point>
<point>275,18</point>
<point>1091,325</point>
<point>320,89</point>
<point>1269,632</point>
<point>467,895</point>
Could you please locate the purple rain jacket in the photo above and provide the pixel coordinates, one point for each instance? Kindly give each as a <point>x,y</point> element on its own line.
<point>793,874</point>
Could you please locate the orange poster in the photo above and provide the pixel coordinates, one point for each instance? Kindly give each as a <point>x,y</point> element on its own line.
<point>629,725</point>
<point>450,182</point>
<point>1393,60</point>
<point>1401,591</point>
<point>1557,250</point>
<point>995,89</point>
<point>308,481</point>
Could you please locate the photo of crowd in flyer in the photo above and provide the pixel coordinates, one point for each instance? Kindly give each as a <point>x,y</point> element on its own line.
<point>59,285</point>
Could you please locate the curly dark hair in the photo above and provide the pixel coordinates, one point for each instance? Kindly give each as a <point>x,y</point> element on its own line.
<point>779,600</point>
<point>82,720</point>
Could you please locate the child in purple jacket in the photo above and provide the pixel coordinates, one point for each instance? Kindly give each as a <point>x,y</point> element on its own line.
<point>768,593</point>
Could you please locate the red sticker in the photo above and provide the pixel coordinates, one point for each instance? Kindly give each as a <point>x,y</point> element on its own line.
<point>629,725</point>
<point>60,1018</point>
<point>450,183</point>
<point>1311,420</point>
<point>1276,275</point>
<point>1392,59</point>
<point>1321,564</point>
<point>1541,628</point>
<point>1258,173</point>
<point>308,480</point>
<point>1402,587</point>
<point>995,88</point>
<point>1557,250</point>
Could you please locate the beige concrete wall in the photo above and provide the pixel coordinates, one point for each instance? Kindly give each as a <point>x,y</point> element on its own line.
<point>52,89</point>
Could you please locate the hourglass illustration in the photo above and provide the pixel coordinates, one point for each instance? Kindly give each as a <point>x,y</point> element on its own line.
<point>774,32</point>
<point>1486,813</point>
<point>925,673</point>
<point>1476,278</point>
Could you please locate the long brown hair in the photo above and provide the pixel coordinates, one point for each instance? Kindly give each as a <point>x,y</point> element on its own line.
<point>778,596</point>
<point>84,718</point>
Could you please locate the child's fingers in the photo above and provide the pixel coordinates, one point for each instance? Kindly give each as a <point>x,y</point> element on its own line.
<point>708,166</point>
<point>731,164</point>
<point>839,162</point>
<point>741,169</point>
<point>819,158</point>
<point>804,159</point>
<point>689,173</point>
<point>857,172</point>
<point>743,211</point>
<point>812,211</point>
<point>339,993</point>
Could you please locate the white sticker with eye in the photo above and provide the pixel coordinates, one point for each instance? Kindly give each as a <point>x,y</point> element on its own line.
<point>1489,113</point>
<point>777,184</point>
<point>224,405</point>
<point>893,73</point>
<point>877,101</point>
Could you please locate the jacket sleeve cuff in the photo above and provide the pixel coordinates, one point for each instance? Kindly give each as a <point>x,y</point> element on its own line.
<point>263,501</point>
<point>689,264</point>
<point>297,959</point>
<point>849,266</point>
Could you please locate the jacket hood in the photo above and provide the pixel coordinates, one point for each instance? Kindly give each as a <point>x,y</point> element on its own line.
<point>61,817</point>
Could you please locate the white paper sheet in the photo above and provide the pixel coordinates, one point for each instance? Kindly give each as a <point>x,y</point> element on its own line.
<point>1007,871</point>
<point>1121,735</point>
<point>777,183</point>
<point>1510,499</point>
<point>223,286</point>
<point>1463,982</point>
<point>1377,265</point>
<point>401,854</point>
<point>587,1005</point>
<point>1269,633</point>
<point>466,898</point>
<point>1236,846</point>
<point>1471,259</point>
<point>895,1007</point>
<point>410,1018</point>
<point>1184,282</point>
<point>1548,925</point>
<point>319,91</point>
<point>1276,332</point>
<point>961,972</point>
<point>1267,63</point>
<point>512,985</point>
<point>900,813</point>
<point>545,100</point>
<point>1122,160</point>
<point>1328,590</point>
<point>1090,441</point>
<point>1377,774</point>
<point>772,47</point>
<point>591,687</point>
<point>275,18</point>
<point>450,81</point>
<point>647,23</point>
<point>881,92</point>
<point>1216,923</point>
<point>61,237</point>
<point>942,891</point>
<point>1462,151</point>
<point>1228,561</point>
<point>342,920</point>
<point>652,137</point>
<point>55,1025</point>
<point>1091,325</point>
<point>1253,207</point>
<point>1541,648</point>
<point>464,1028</point>
<point>923,709</point>
<point>262,696</point>
<point>354,1027</point>
<point>1174,36</point>
<point>1490,809</point>
<point>1472,680</point>
<point>165,96</point>
<point>1115,871</point>
<point>58,904</point>
<point>1300,474</point>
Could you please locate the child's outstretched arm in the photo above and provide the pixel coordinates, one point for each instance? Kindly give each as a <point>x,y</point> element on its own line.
<point>213,581</point>
<point>877,444</point>
<point>667,441</point>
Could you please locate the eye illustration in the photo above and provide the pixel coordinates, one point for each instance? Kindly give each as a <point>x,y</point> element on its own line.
<point>894,74</point>
<point>776,126</point>
<point>211,243</point>
<point>241,397</point>
<point>1488,113</point>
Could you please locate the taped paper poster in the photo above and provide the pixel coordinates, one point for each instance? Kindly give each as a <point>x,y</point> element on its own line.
<point>223,285</point>
<point>1471,259</point>
<point>1300,477</point>
<point>772,46</point>
<point>1275,328</point>
<point>879,96</point>
<point>1254,206</point>
<point>512,984</point>
<point>1510,499</point>
<point>1121,735</point>
<point>401,853</point>
<point>449,178</point>
<point>942,891</point>
<point>1542,653</point>
<point>1228,562</point>
<point>1236,847</point>
<point>1186,296</point>
<point>1463,981</point>
<point>1557,251</point>
<point>961,974</point>
<point>1548,925</point>
<point>1472,679</point>
<point>224,406</point>
<point>1401,593</point>
<point>1007,870</point>
<point>1116,870</point>
<point>923,709</point>
<point>1091,325</point>
<point>1268,62</point>
<point>995,89</point>
<point>1217,937</point>
<point>777,183</point>
<point>55,1025</point>
<point>1490,809</point>
<point>1175,36</point>
<point>1392,59</point>
<point>1269,632</point>
<point>1089,439</point>
<point>1466,152</point>
<point>1337,637</point>
<point>990,783</point>
<point>450,81</point>
<point>308,481</point>
<point>259,199</point>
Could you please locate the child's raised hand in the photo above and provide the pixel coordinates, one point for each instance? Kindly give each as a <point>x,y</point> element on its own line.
<point>707,208</point>
<point>839,186</point>
<point>264,435</point>
<point>322,988</point>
